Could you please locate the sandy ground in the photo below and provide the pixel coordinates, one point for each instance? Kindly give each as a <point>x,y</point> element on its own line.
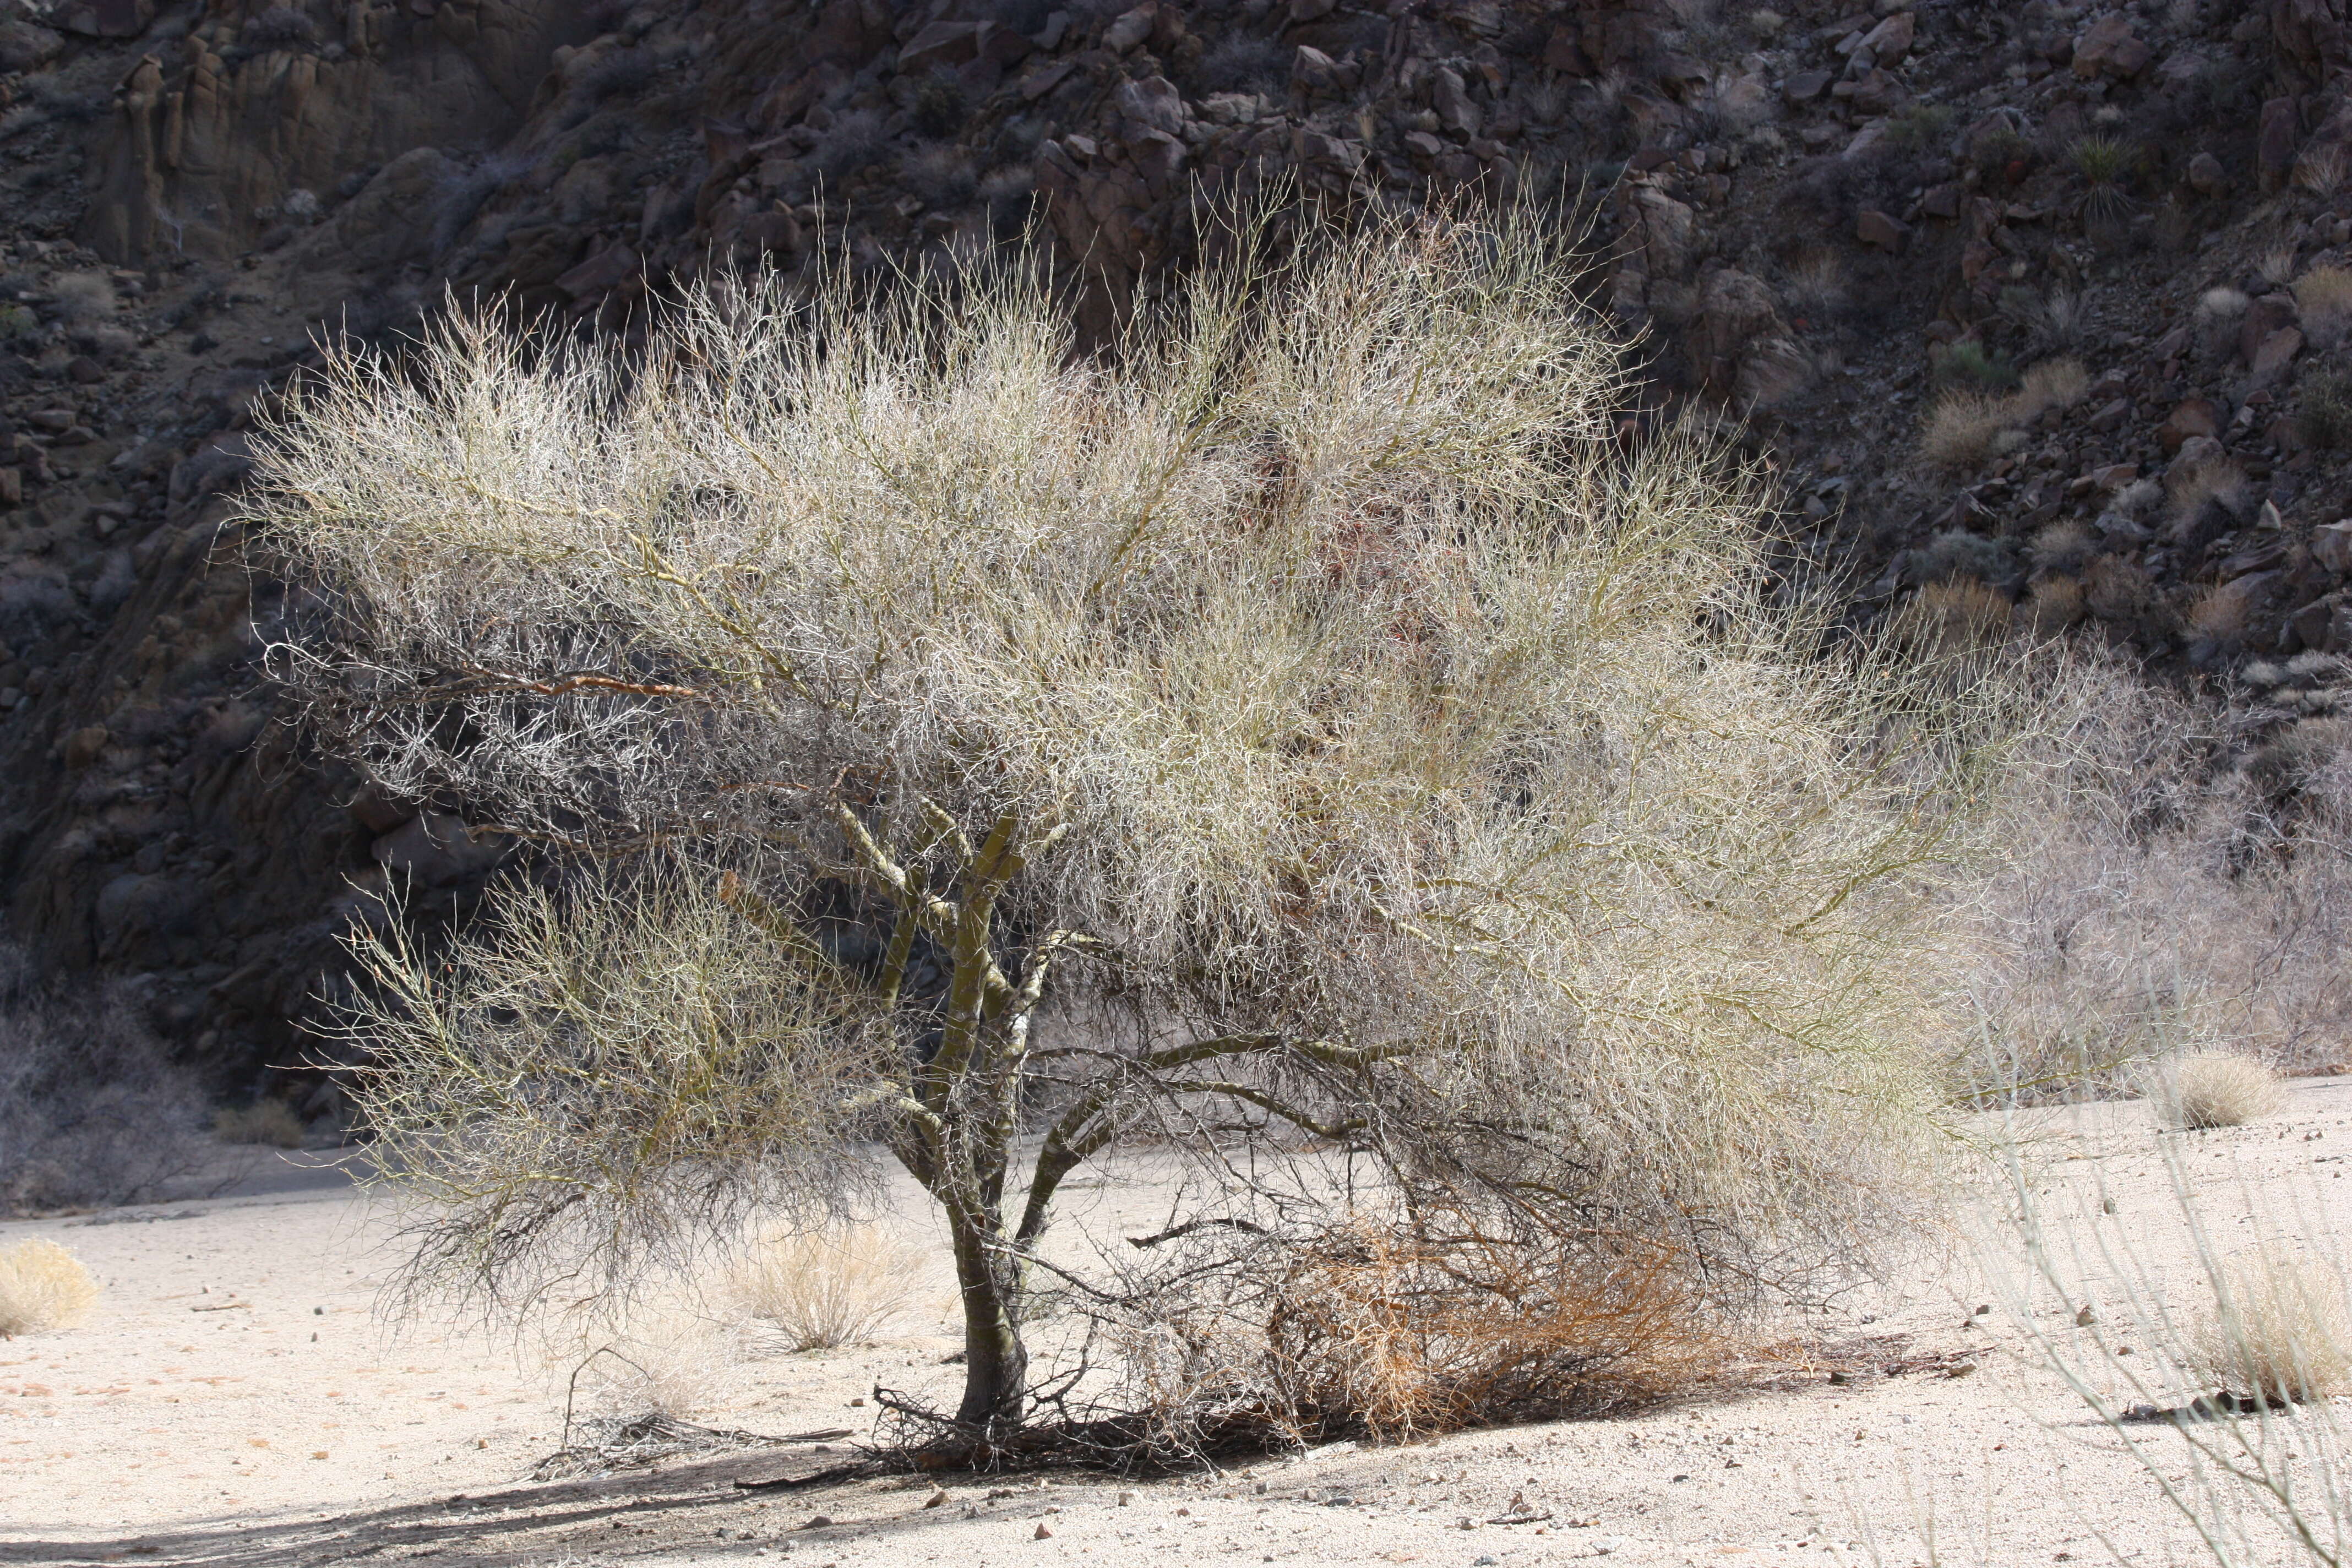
<point>238,1398</point>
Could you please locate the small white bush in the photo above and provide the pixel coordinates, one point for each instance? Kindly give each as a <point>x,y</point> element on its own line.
<point>2280,1330</point>
<point>833,1289</point>
<point>2214,1089</point>
<point>42,1286</point>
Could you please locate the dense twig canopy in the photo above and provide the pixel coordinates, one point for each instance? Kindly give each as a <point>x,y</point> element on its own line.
<point>1309,716</point>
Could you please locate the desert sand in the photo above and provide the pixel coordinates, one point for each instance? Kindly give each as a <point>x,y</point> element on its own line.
<point>241,1397</point>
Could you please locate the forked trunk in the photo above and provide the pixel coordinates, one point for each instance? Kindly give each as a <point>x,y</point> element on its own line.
<point>996,1363</point>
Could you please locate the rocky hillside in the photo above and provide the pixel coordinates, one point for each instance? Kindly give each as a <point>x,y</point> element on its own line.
<point>2040,308</point>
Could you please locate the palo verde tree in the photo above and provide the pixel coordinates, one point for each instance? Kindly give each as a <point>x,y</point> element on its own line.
<point>1306,727</point>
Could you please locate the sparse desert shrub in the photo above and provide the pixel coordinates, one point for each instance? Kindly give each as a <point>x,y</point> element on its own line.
<point>2323,409</point>
<point>1954,617</point>
<point>940,107</point>
<point>1219,733</point>
<point>2163,903</point>
<point>2213,1088</point>
<point>279,25</point>
<point>1968,363</point>
<point>42,1286</point>
<point>1955,554</point>
<point>1010,193</point>
<point>941,175</point>
<point>831,1287</point>
<point>91,1111</point>
<point>1816,287</point>
<point>2053,383</point>
<point>2321,169</point>
<point>2277,265</point>
<point>2323,299</point>
<point>2065,546</point>
<point>83,295</point>
<point>662,1359</point>
<point>1242,62</point>
<point>855,141</point>
<point>1920,127</point>
<point>2278,1331</point>
<point>2105,163</point>
<point>2191,489</point>
<point>2053,322</point>
<point>269,1122</point>
<point>2052,604</point>
<point>17,324</point>
<point>1962,426</point>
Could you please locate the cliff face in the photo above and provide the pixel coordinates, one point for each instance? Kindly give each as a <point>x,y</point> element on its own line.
<point>1820,213</point>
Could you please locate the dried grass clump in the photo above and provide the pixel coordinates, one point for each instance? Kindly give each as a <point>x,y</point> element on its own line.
<point>1961,428</point>
<point>2323,299</point>
<point>831,1287</point>
<point>2214,1089</point>
<point>661,1359</point>
<point>2189,487</point>
<point>2280,1331</point>
<point>1954,618</point>
<point>2053,383</point>
<point>2052,604</point>
<point>269,1122</point>
<point>1377,1331</point>
<point>42,1286</point>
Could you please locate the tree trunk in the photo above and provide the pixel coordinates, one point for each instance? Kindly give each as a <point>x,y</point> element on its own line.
<point>996,1363</point>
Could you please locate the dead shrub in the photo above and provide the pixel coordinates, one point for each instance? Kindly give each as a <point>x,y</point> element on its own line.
<point>829,1288</point>
<point>42,1286</point>
<point>269,1122</point>
<point>1393,1332</point>
<point>2278,1331</point>
<point>2214,1089</point>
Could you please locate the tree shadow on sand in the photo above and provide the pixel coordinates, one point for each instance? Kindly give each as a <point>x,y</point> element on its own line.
<point>531,1524</point>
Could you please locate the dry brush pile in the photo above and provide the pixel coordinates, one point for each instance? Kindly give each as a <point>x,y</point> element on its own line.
<point>1305,738</point>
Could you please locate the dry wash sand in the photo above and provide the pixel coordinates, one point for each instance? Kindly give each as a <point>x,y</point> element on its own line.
<point>236,1400</point>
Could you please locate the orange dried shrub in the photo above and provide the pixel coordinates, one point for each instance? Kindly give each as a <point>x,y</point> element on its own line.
<point>1397,1337</point>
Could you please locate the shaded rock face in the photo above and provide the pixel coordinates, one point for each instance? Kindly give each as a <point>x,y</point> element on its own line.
<point>1821,215</point>
<point>231,130</point>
